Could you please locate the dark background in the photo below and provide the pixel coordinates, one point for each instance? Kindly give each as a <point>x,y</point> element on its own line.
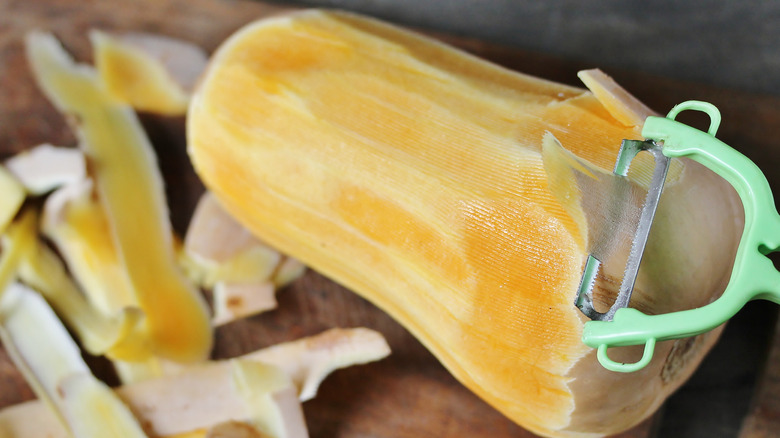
<point>725,44</point>
<point>734,44</point>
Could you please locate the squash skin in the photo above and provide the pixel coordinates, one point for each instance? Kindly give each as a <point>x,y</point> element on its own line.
<point>413,174</point>
<point>129,187</point>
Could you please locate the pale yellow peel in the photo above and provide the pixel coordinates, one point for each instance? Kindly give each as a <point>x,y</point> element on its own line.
<point>308,361</point>
<point>32,419</point>
<point>129,187</point>
<point>221,254</point>
<point>135,371</point>
<point>289,270</point>
<point>222,250</point>
<point>28,330</point>
<point>51,362</point>
<point>12,197</point>
<point>559,165</point>
<point>18,241</point>
<point>252,265</point>
<point>93,409</point>
<point>27,258</point>
<point>46,167</point>
<point>148,72</point>
<point>74,220</point>
<point>119,335</point>
<point>233,301</point>
<point>200,397</point>
<point>621,104</point>
<point>274,406</point>
<point>232,429</point>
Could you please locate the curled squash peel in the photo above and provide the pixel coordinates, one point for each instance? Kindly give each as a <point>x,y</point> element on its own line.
<point>435,185</point>
<point>127,182</point>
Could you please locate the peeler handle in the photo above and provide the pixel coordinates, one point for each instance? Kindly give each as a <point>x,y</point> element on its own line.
<point>753,275</point>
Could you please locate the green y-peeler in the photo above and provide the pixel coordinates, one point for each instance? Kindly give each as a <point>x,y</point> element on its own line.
<point>753,275</point>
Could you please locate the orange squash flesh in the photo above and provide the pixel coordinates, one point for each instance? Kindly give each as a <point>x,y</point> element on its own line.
<point>413,174</point>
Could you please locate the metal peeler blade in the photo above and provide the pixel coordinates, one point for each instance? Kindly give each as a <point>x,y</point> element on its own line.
<point>584,299</point>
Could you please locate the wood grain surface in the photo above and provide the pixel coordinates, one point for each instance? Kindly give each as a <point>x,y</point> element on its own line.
<point>406,395</point>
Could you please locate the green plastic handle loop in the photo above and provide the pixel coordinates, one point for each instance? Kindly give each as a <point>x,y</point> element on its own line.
<point>621,367</point>
<point>753,275</point>
<point>697,105</point>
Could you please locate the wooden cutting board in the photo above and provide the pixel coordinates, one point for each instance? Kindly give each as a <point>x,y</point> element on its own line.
<point>406,395</point>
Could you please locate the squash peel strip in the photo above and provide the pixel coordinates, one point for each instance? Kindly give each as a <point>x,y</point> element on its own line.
<point>242,271</point>
<point>134,69</point>
<point>12,198</point>
<point>74,221</point>
<point>42,349</point>
<point>269,393</point>
<point>27,258</point>
<point>129,187</point>
<point>46,167</point>
<point>16,242</point>
<point>118,336</point>
<point>175,406</point>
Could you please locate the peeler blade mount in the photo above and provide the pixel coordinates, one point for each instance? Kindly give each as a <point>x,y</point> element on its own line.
<point>629,149</point>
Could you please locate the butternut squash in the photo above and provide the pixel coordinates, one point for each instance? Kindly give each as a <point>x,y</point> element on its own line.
<point>439,187</point>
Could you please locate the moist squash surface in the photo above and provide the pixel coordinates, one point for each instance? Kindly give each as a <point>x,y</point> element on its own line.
<point>420,178</point>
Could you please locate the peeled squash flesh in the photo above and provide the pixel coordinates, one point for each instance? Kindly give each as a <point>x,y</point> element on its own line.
<point>437,186</point>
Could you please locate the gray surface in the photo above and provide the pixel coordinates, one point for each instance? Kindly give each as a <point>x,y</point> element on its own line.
<point>734,44</point>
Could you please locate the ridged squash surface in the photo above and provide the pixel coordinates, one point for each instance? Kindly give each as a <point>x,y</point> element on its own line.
<point>415,175</point>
